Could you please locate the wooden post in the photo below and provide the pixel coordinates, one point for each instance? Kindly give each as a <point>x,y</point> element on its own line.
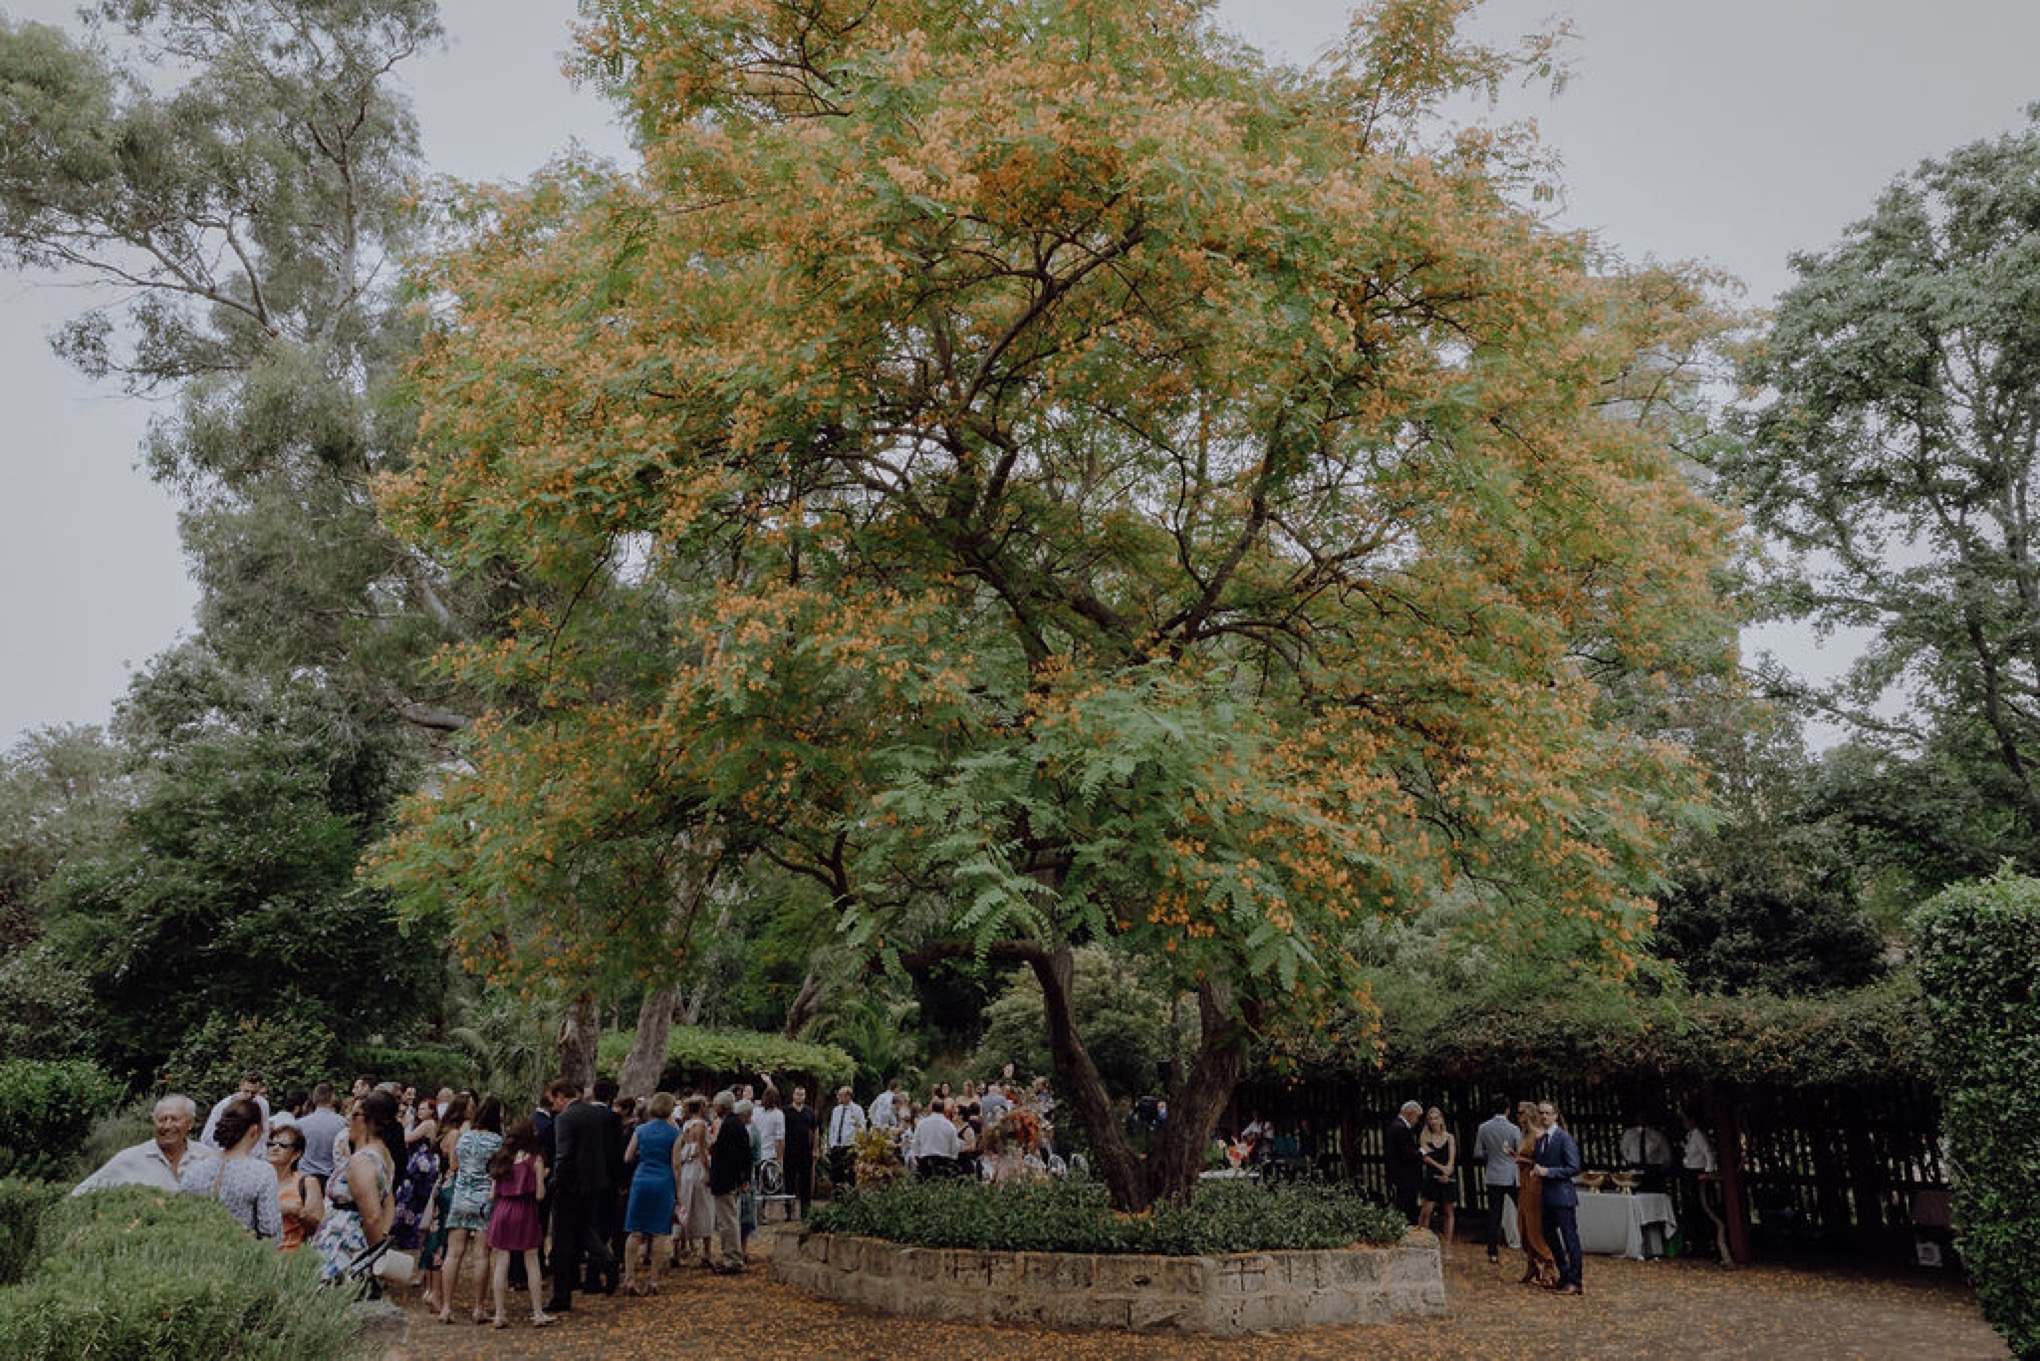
<point>1735,1210</point>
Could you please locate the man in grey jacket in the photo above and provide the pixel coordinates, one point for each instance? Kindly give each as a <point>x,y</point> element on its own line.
<point>1494,1148</point>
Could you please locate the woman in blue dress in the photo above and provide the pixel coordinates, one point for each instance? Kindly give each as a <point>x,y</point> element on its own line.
<point>654,1187</point>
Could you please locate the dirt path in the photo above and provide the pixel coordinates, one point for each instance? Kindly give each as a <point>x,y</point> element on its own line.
<point>1631,1310</point>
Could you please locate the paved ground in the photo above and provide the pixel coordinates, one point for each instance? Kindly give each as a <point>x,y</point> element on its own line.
<point>1631,1310</point>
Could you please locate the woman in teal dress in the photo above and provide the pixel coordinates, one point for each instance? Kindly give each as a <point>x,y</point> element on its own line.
<point>467,1219</point>
<point>654,1188</point>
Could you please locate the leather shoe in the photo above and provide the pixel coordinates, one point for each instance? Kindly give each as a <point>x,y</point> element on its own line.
<point>558,1307</point>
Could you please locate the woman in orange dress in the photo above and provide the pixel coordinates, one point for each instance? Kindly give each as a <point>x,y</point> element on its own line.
<point>1540,1267</point>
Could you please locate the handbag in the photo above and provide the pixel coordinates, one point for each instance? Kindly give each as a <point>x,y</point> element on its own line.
<point>395,1266</point>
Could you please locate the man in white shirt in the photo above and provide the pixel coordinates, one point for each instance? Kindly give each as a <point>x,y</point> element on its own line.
<point>846,1121</point>
<point>936,1142</point>
<point>883,1114</point>
<point>1494,1148</point>
<point>251,1086</point>
<point>157,1161</point>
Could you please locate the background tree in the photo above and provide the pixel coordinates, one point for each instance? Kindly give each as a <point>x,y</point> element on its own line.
<point>1766,896</point>
<point>1050,478</point>
<point>1891,444</point>
<point>229,893</point>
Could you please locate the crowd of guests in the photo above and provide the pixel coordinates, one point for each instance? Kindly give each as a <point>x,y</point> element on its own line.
<point>994,1131</point>
<point>455,1194</point>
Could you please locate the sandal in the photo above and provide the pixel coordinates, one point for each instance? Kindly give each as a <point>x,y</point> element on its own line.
<point>543,1320</point>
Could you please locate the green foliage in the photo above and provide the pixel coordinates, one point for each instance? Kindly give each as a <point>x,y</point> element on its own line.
<point>1892,448</point>
<point>229,890</point>
<point>883,1034</point>
<point>135,1272</point>
<point>1764,895</point>
<point>1977,947</point>
<point>1870,1034</point>
<point>696,1057</point>
<point>45,1003</point>
<point>62,792</point>
<point>1075,1215</point>
<point>1122,1014</point>
<point>22,1204</point>
<point>291,1053</point>
<point>46,1109</point>
<point>428,1069</point>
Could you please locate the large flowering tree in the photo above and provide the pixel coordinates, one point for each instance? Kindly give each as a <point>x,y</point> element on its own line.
<point>1048,476</point>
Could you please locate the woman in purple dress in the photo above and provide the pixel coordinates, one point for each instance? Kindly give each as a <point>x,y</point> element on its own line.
<point>518,1171</point>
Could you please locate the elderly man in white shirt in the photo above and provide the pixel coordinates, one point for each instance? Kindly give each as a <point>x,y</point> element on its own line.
<point>936,1142</point>
<point>158,1161</point>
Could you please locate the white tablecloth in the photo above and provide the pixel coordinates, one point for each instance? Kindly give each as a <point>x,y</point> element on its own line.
<point>1615,1224</point>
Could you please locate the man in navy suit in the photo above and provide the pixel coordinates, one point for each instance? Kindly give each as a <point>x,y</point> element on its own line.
<point>1558,1162</point>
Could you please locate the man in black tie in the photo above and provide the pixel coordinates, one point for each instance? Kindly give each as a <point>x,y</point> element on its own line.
<point>845,1123</point>
<point>581,1178</point>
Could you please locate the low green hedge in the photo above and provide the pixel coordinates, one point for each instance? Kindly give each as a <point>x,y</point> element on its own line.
<point>47,1107</point>
<point>696,1055</point>
<point>1874,1034</point>
<point>1075,1215</point>
<point>132,1272</point>
<point>22,1204</point>
<point>1977,946</point>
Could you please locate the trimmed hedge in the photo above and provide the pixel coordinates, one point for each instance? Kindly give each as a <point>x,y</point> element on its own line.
<point>1075,1215</point>
<point>47,1107</point>
<point>137,1272</point>
<point>695,1055</point>
<point>22,1205</point>
<point>1978,948</point>
<point>1871,1035</point>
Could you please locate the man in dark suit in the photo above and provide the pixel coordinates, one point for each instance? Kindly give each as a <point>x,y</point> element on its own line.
<point>581,1180</point>
<point>1405,1159</point>
<point>1558,1162</point>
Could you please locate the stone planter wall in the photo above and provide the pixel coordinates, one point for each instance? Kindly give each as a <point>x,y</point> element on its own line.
<point>1221,1296</point>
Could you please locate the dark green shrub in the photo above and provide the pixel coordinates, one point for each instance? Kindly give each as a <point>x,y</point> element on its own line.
<point>428,1069</point>
<point>291,1051</point>
<point>22,1204</point>
<point>135,1272</point>
<point>47,1107</point>
<point>1978,947</point>
<point>1075,1215</point>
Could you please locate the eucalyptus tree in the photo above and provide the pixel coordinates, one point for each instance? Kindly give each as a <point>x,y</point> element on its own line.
<point>1892,443</point>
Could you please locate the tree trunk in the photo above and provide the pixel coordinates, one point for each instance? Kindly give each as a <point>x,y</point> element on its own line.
<point>647,1057</point>
<point>578,1032</point>
<point>1195,1100</point>
<point>1197,1097</point>
<point>803,1008</point>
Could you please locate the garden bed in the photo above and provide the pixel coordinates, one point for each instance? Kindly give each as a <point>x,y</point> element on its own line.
<point>1221,1295</point>
<point>1241,1257</point>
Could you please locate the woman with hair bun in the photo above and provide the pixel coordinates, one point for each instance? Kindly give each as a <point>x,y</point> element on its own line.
<point>239,1178</point>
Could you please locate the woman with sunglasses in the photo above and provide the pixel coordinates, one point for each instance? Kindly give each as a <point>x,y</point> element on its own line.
<point>297,1193</point>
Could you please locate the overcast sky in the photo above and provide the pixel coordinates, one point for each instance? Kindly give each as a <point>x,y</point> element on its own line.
<point>1735,132</point>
